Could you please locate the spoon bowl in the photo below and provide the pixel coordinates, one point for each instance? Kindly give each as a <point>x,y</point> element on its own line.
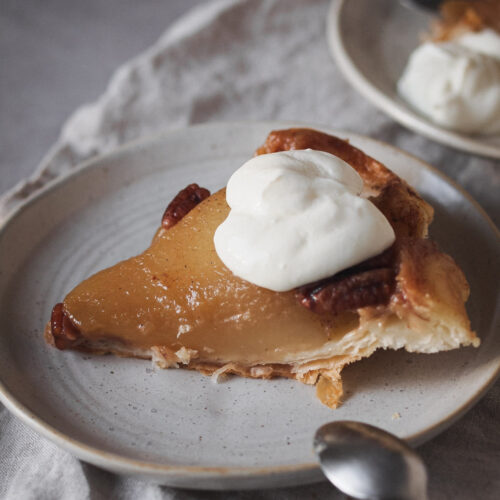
<point>364,461</point>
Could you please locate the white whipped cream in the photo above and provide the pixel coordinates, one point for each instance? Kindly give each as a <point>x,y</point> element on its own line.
<point>297,217</point>
<point>485,42</point>
<point>457,84</point>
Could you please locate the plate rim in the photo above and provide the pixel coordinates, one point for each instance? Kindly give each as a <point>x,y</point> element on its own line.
<point>402,115</point>
<point>117,462</point>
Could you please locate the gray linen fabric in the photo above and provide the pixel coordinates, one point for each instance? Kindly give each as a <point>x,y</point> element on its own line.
<point>243,60</point>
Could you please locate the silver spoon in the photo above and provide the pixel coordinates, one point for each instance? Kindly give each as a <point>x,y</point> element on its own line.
<point>364,461</point>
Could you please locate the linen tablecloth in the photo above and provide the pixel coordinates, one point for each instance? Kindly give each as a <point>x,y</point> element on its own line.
<point>243,60</point>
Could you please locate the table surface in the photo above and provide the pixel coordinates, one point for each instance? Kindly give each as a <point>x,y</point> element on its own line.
<point>55,58</point>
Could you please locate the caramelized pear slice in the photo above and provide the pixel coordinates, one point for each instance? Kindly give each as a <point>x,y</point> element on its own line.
<point>179,294</point>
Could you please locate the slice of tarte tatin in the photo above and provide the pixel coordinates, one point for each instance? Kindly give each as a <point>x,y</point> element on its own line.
<point>178,304</point>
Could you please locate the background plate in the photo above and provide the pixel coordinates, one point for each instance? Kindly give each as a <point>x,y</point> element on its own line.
<point>176,426</point>
<point>371,41</point>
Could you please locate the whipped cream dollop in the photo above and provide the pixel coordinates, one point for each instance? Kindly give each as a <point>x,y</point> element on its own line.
<point>457,84</point>
<point>297,217</point>
<point>486,41</point>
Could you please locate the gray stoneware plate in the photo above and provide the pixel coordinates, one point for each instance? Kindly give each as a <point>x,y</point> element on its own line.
<point>371,40</point>
<point>176,426</point>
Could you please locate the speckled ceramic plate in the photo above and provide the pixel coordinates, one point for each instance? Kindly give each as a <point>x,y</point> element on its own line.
<point>176,426</point>
<point>371,41</point>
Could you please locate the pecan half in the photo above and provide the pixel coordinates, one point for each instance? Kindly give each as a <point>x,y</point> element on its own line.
<point>385,259</point>
<point>369,288</point>
<point>369,283</point>
<point>183,203</point>
<point>64,332</point>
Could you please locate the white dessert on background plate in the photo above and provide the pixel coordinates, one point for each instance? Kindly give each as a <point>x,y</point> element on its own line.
<point>456,83</point>
<point>486,41</point>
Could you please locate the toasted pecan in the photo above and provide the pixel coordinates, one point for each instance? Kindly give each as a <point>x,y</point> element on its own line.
<point>369,283</point>
<point>369,288</point>
<point>183,203</point>
<point>65,334</point>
